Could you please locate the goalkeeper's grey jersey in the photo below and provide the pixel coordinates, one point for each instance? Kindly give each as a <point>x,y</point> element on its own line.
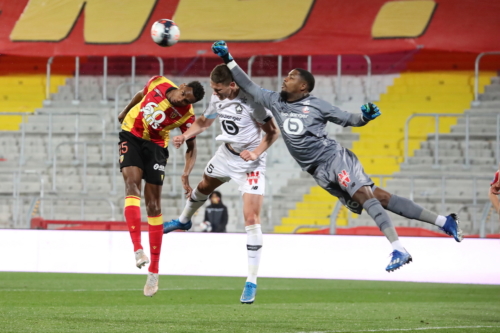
<point>302,122</point>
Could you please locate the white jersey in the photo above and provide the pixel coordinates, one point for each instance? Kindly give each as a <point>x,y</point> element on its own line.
<point>239,118</point>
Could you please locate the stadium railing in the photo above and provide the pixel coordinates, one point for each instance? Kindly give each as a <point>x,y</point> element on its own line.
<point>437,116</point>
<point>309,68</point>
<point>476,101</point>
<point>104,100</point>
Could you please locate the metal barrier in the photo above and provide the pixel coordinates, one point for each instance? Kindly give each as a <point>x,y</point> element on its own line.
<point>16,191</point>
<point>84,163</point>
<point>77,125</point>
<point>76,93</point>
<point>251,60</point>
<point>476,101</point>
<point>31,211</point>
<point>436,134</point>
<point>442,189</point>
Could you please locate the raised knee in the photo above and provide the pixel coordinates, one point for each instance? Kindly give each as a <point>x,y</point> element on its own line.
<point>384,199</point>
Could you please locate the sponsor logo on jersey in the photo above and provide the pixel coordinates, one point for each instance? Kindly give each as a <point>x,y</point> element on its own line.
<point>253,177</point>
<point>158,93</point>
<point>159,167</point>
<point>344,179</point>
<point>308,102</point>
<point>239,109</point>
<point>294,115</point>
<point>227,116</point>
<point>153,117</point>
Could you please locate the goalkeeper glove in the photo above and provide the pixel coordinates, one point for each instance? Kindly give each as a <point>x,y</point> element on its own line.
<point>370,111</point>
<point>220,48</point>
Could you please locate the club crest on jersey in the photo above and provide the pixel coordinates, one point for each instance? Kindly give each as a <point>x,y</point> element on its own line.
<point>153,117</point>
<point>305,109</point>
<point>239,109</point>
<point>174,113</point>
<point>253,177</point>
<point>344,179</point>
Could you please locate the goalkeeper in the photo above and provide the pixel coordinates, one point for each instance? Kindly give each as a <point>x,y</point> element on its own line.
<point>302,119</point>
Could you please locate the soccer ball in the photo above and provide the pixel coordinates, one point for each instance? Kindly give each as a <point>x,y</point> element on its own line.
<point>205,226</point>
<point>165,32</point>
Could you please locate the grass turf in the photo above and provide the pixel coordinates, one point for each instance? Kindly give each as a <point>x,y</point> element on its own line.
<point>44,302</point>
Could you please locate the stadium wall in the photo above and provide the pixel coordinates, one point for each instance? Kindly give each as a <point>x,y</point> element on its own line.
<point>438,260</point>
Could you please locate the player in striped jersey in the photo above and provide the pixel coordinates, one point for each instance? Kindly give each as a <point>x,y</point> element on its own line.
<point>146,123</point>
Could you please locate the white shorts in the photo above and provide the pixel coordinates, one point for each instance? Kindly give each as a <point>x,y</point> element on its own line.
<point>250,176</point>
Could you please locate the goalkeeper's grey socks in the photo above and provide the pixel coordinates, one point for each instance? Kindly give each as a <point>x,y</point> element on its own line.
<point>409,209</point>
<point>196,200</point>
<point>254,250</point>
<point>378,213</point>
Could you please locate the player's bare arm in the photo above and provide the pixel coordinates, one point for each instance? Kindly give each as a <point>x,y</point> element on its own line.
<point>199,126</point>
<point>135,100</point>
<point>190,159</point>
<point>272,134</point>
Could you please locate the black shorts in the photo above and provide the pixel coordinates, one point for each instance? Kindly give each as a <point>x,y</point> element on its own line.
<point>143,154</point>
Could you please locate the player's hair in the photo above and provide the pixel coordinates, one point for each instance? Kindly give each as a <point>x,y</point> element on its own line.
<point>221,74</point>
<point>308,77</point>
<point>198,91</point>
<point>217,193</point>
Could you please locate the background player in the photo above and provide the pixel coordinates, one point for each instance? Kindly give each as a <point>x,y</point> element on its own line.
<point>302,119</point>
<point>146,123</point>
<point>241,158</point>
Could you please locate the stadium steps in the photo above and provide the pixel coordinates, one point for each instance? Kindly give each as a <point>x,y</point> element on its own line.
<point>23,93</point>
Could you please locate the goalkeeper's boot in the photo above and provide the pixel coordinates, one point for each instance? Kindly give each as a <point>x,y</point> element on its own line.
<point>151,286</point>
<point>176,225</point>
<point>141,259</point>
<point>451,227</point>
<point>398,259</point>
<point>249,293</point>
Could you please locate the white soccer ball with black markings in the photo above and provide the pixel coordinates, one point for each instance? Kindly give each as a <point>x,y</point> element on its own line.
<point>165,32</point>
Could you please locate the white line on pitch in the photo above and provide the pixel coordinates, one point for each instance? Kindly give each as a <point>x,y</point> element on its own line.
<point>403,329</point>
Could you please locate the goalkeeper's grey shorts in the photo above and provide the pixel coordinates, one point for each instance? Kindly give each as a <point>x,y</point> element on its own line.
<point>342,176</point>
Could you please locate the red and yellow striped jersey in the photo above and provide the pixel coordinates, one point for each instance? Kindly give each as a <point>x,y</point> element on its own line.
<point>154,117</point>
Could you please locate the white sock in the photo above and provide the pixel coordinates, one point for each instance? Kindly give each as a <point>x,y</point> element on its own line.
<point>396,245</point>
<point>197,200</point>
<point>254,250</point>
<point>440,221</point>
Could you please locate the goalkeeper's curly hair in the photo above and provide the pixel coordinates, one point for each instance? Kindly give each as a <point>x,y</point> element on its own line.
<point>198,91</point>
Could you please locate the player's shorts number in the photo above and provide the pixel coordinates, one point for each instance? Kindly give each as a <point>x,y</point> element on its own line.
<point>123,148</point>
<point>293,126</point>
<point>230,127</point>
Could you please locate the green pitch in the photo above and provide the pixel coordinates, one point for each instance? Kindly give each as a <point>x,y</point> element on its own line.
<point>37,302</point>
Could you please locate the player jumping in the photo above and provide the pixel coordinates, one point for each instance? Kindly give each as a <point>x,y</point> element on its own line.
<point>302,119</point>
<point>146,122</point>
<point>241,158</point>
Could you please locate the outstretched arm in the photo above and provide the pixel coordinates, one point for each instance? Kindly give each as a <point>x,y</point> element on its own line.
<point>261,96</point>
<point>368,112</point>
<point>199,126</point>
<point>190,159</point>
